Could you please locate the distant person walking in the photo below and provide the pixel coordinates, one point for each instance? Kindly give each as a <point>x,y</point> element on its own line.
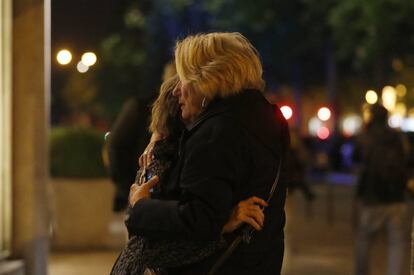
<point>381,186</point>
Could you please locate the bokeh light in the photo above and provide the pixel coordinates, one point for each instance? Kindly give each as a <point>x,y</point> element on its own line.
<point>313,125</point>
<point>389,98</point>
<point>323,132</point>
<point>351,125</point>
<point>64,57</point>
<point>401,90</point>
<point>286,111</point>
<point>395,121</point>
<point>401,109</point>
<point>89,59</point>
<point>82,68</point>
<point>371,97</point>
<point>324,114</point>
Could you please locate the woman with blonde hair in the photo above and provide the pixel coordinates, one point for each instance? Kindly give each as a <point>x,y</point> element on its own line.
<point>232,148</point>
<point>142,255</point>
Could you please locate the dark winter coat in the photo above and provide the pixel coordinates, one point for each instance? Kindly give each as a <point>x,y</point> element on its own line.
<point>382,153</point>
<point>229,154</point>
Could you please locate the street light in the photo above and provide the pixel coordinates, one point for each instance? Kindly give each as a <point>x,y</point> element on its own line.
<point>371,97</point>
<point>324,114</point>
<point>89,58</point>
<point>64,57</point>
<point>82,68</point>
<point>389,98</point>
<point>286,111</point>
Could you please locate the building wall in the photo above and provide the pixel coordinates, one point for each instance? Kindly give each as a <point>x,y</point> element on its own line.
<point>5,127</point>
<point>30,122</point>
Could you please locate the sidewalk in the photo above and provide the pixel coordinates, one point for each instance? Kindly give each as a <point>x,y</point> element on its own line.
<point>319,241</point>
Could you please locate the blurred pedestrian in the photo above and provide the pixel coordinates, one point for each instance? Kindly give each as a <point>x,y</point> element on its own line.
<point>381,187</point>
<point>297,162</point>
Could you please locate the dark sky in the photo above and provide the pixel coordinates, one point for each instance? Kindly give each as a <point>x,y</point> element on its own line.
<point>81,24</point>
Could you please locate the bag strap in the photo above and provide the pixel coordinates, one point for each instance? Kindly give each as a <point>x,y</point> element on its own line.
<point>247,232</point>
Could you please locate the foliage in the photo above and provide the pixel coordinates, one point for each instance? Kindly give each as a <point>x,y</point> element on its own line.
<point>373,32</point>
<point>76,153</point>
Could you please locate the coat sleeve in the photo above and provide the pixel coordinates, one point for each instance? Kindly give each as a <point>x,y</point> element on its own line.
<point>211,175</point>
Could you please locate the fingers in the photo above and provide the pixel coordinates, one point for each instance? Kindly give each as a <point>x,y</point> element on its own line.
<point>147,156</point>
<point>152,182</point>
<point>254,213</point>
<point>255,200</point>
<point>252,222</point>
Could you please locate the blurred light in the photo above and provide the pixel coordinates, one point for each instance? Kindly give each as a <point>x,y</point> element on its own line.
<point>366,112</point>
<point>401,90</point>
<point>351,125</point>
<point>371,97</point>
<point>64,57</point>
<point>89,58</point>
<point>395,121</point>
<point>314,125</point>
<point>82,68</point>
<point>107,134</point>
<point>286,111</point>
<point>411,112</point>
<point>323,132</point>
<point>400,109</point>
<point>408,125</point>
<point>397,65</point>
<point>324,114</point>
<point>389,98</point>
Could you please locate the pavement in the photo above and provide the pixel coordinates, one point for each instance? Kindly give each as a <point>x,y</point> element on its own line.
<point>319,240</point>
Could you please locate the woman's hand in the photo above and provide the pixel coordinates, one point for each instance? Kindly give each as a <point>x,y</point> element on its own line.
<point>147,156</point>
<point>249,211</point>
<point>139,192</point>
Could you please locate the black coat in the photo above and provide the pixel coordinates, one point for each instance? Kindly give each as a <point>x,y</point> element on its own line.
<point>229,154</point>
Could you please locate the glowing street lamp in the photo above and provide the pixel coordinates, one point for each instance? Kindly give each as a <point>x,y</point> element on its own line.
<point>64,57</point>
<point>286,111</point>
<point>323,132</point>
<point>324,114</point>
<point>389,98</point>
<point>371,97</point>
<point>82,68</point>
<point>89,59</point>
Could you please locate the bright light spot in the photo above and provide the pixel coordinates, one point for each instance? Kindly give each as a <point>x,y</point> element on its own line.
<point>323,133</point>
<point>107,134</point>
<point>89,58</point>
<point>82,68</point>
<point>389,98</point>
<point>351,125</point>
<point>395,121</point>
<point>64,57</point>
<point>314,125</point>
<point>401,90</point>
<point>371,97</point>
<point>408,125</point>
<point>366,112</point>
<point>324,114</point>
<point>286,111</point>
<point>400,109</point>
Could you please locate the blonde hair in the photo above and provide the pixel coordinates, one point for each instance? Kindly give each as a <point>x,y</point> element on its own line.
<point>165,119</point>
<point>218,64</point>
